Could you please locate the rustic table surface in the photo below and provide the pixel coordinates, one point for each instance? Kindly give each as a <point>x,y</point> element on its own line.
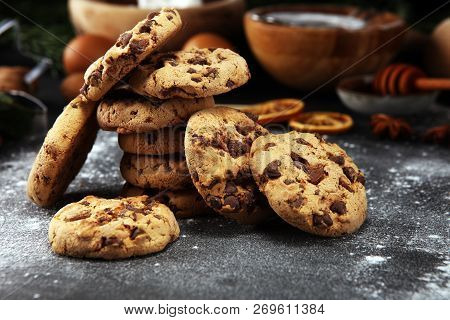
<point>401,252</point>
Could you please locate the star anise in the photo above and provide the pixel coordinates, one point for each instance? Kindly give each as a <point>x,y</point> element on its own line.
<point>393,128</point>
<point>438,135</point>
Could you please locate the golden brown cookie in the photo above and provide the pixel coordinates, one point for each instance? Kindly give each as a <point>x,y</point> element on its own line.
<point>159,142</point>
<point>183,203</point>
<point>63,153</point>
<point>151,172</point>
<point>312,184</point>
<point>126,112</point>
<point>190,74</point>
<point>218,142</point>
<point>130,49</point>
<point>112,228</point>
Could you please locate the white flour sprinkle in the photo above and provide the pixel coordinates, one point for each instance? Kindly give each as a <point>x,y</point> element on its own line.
<point>375,259</point>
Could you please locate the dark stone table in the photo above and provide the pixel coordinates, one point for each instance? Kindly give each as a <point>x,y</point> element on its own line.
<point>401,252</point>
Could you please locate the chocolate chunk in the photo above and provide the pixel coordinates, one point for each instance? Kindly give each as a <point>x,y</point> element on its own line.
<point>338,207</point>
<point>252,116</point>
<point>211,72</point>
<point>316,173</point>
<point>138,46</point>
<point>213,182</point>
<point>95,78</point>
<point>195,176</point>
<point>237,148</point>
<point>123,40</point>
<point>302,141</point>
<point>243,175</point>
<point>196,79</point>
<point>230,83</point>
<point>191,70</point>
<point>298,161</point>
<point>288,181</point>
<point>344,184</point>
<point>269,145</point>
<point>350,173</point>
<point>170,17</point>
<point>110,241</point>
<point>85,203</point>
<point>230,187</point>
<point>337,158</point>
<point>296,202</point>
<point>322,221</point>
<point>214,202</point>
<point>135,232</point>
<point>83,91</point>
<point>232,201</point>
<point>151,15</point>
<point>243,129</point>
<point>198,60</point>
<point>272,170</point>
<point>361,179</point>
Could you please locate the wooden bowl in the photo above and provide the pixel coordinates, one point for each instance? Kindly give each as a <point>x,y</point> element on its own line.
<point>110,20</point>
<point>306,57</point>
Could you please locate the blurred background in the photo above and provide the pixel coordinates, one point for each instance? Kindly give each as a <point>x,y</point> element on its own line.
<point>316,53</point>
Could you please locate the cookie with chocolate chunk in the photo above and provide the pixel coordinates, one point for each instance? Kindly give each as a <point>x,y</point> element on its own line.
<point>130,49</point>
<point>218,143</point>
<point>112,228</point>
<point>190,74</point>
<point>151,172</point>
<point>312,184</point>
<point>186,203</point>
<point>63,152</point>
<point>158,142</point>
<point>127,112</point>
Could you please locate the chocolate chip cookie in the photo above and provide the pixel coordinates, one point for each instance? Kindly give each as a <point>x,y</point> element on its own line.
<point>63,152</point>
<point>130,49</point>
<point>112,228</point>
<point>163,173</point>
<point>126,112</point>
<point>312,184</point>
<point>218,142</point>
<point>158,142</point>
<point>190,74</point>
<point>186,203</point>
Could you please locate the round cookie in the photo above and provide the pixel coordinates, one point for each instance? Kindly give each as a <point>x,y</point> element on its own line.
<point>190,74</point>
<point>127,112</point>
<point>218,142</point>
<point>63,152</point>
<point>161,173</point>
<point>183,203</point>
<point>112,228</point>
<point>312,184</point>
<point>130,49</point>
<point>159,142</point>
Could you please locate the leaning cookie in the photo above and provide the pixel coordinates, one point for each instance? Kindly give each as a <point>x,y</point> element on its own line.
<point>186,203</point>
<point>130,49</point>
<point>218,142</point>
<point>190,74</point>
<point>163,173</point>
<point>159,142</point>
<point>63,153</point>
<point>112,228</point>
<point>310,183</point>
<point>127,112</point>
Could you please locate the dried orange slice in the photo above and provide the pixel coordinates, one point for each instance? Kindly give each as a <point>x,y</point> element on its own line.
<point>278,110</point>
<point>322,122</point>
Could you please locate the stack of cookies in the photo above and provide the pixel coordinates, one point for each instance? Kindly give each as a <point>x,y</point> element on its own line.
<point>182,155</point>
<point>151,115</point>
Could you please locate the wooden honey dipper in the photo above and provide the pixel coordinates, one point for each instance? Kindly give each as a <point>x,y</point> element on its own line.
<point>403,79</point>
